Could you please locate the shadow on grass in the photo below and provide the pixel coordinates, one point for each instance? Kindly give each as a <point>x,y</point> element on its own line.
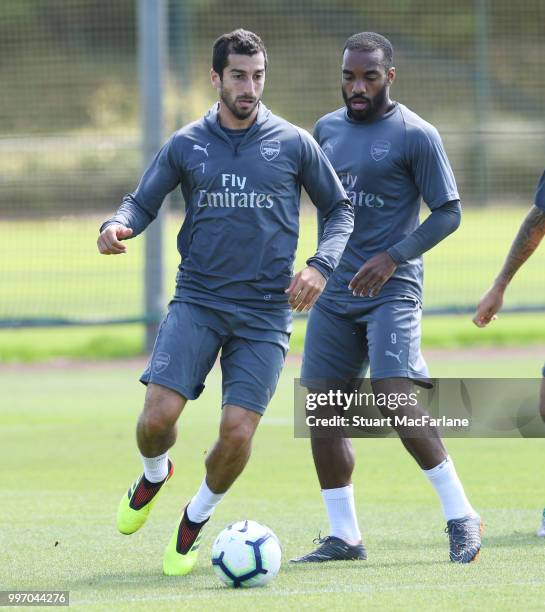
<point>356,566</point>
<point>517,538</point>
<point>140,579</point>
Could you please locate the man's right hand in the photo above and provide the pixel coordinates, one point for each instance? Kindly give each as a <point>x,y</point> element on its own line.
<point>489,305</point>
<point>109,241</point>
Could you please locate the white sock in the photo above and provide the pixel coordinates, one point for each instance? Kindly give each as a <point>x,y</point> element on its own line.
<point>203,504</point>
<point>155,468</point>
<point>341,512</point>
<point>445,481</point>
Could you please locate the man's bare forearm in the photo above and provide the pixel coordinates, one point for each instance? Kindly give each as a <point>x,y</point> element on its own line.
<point>526,241</point>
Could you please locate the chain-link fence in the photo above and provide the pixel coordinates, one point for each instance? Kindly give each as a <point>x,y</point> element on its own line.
<point>70,128</point>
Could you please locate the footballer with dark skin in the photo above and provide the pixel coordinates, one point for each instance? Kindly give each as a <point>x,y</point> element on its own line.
<point>389,159</point>
<point>528,238</point>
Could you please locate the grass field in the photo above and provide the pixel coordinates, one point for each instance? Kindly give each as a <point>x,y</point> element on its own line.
<point>58,273</point>
<point>67,446</point>
<point>51,267</point>
<point>67,449</point>
<point>107,342</point>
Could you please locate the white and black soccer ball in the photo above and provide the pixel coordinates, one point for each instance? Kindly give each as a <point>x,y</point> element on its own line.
<point>246,554</point>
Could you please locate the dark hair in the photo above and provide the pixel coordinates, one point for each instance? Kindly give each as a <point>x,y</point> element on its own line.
<point>371,41</point>
<point>238,41</point>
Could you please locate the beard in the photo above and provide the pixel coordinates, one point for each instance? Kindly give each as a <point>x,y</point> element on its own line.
<point>373,105</point>
<point>231,103</point>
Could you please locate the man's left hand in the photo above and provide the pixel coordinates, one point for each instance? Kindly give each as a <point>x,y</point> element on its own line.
<point>371,277</point>
<point>305,288</point>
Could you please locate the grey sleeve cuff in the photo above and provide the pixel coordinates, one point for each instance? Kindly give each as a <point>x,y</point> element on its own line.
<point>105,225</point>
<point>441,222</point>
<point>132,215</point>
<point>335,232</point>
<point>395,255</point>
<point>313,263</point>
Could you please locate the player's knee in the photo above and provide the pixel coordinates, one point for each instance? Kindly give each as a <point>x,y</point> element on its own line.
<point>161,410</point>
<point>332,448</point>
<point>154,423</point>
<point>237,433</point>
<point>236,437</point>
<point>393,393</point>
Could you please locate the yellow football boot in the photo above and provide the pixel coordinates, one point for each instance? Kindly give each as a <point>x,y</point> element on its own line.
<point>183,549</point>
<point>136,504</point>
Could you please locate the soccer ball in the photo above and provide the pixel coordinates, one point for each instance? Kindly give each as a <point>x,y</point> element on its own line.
<point>246,554</point>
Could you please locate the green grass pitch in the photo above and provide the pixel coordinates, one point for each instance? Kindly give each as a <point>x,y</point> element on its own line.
<point>110,342</point>
<point>59,273</point>
<point>67,451</point>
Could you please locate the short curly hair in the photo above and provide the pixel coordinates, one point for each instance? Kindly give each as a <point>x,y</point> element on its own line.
<point>371,41</point>
<point>238,41</point>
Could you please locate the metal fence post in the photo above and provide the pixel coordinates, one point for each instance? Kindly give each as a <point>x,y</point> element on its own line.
<point>151,60</point>
<point>482,99</point>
